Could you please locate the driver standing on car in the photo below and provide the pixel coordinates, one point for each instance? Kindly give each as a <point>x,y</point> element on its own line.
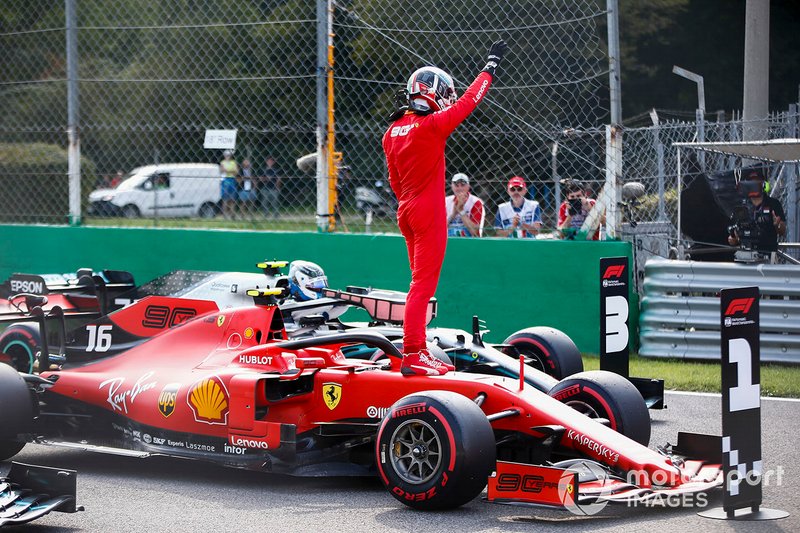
<point>414,146</point>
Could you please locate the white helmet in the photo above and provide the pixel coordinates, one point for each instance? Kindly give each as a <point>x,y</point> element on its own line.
<point>430,89</point>
<point>304,277</point>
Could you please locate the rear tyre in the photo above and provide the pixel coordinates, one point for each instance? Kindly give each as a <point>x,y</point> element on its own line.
<point>20,343</point>
<point>600,394</point>
<point>552,351</point>
<point>130,211</point>
<point>435,450</point>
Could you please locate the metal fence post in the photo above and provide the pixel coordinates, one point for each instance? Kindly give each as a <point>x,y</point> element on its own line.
<point>322,115</point>
<point>73,133</point>
<point>613,179</point>
<point>678,188</point>
<point>615,90</point>
<point>792,230</point>
<point>659,164</point>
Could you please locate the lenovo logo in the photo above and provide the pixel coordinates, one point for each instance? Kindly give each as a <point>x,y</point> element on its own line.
<point>739,305</point>
<point>614,271</point>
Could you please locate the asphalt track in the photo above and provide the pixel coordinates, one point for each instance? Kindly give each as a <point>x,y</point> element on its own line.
<point>159,494</point>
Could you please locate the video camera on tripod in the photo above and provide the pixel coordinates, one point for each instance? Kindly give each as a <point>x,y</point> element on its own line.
<point>744,227</point>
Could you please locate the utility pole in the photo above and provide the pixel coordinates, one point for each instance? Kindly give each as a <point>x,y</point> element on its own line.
<point>756,70</point>
<point>615,88</point>
<point>73,134</point>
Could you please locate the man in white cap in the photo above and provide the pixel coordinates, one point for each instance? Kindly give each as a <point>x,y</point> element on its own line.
<point>465,212</point>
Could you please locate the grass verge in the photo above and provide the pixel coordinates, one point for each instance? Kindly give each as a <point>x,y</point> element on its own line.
<point>776,380</point>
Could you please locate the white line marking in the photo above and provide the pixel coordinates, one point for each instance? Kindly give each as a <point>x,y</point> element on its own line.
<point>718,395</point>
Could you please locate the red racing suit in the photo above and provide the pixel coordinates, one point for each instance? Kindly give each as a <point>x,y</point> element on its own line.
<point>414,146</point>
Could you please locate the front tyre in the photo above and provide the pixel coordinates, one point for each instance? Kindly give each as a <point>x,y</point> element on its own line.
<point>601,394</point>
<point>131,211</point>
<point>435,450</point>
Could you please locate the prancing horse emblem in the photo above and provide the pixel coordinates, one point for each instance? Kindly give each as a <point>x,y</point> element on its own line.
<point>331,393</point>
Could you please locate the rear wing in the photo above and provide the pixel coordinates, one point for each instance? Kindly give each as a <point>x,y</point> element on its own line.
<point>382,305</point>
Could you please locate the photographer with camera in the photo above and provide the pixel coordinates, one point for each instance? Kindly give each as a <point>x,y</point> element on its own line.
<point>759,221</point>
<point>573,211</point>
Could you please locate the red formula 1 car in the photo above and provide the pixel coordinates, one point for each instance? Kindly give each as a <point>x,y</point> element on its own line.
<point>228,387</point>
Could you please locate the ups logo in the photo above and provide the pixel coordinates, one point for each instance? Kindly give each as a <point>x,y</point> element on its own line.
<point>167,399</point>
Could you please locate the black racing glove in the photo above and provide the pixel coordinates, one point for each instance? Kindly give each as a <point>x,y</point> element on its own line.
<point>400,104</point>
<point>496,52</point>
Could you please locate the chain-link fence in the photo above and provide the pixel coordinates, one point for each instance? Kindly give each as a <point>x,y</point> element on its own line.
<point>152,77</point>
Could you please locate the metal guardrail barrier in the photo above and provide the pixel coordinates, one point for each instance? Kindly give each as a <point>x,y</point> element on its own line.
<point>680,315</point>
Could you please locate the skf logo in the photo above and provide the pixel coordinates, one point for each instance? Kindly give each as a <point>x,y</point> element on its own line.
<point>614,271</point>
<point>402,131</point>
<point>167,399</point>
<point>739,305</point>
<point>209,401</point>
<point>331,393</point>
<point>220,320</point>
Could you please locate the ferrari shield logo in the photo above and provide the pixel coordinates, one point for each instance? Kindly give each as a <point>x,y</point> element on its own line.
<point>220,320</point>
<point>331,393</point>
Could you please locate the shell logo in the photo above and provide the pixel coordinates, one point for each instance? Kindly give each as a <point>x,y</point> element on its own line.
<point>209,401</point>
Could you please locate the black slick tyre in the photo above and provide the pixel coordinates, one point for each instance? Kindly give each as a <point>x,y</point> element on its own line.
<point>20,343</point>
<point>552,351</point>
<point>435,450</point>
<point>600,394</point>
<point>16,415</point>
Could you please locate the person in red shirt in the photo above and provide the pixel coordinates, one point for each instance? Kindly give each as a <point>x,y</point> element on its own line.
<point>414,147</point>
<point>465,212</point>
<point>573,211</point>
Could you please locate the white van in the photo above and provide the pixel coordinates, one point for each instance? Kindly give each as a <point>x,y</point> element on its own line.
<point>168,190</point>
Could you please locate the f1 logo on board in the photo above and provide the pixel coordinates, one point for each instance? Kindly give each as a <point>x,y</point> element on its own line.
<point>614,271</point>
<point>739,305</point>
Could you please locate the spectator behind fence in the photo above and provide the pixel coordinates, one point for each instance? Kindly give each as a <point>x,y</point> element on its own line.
<point>116,179</point>
<point>465,213</point>
<point>573,211</point>
<point>229,187</point>
<point>247,190</point>
<point>269,188</point>
<point>519,217</point>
